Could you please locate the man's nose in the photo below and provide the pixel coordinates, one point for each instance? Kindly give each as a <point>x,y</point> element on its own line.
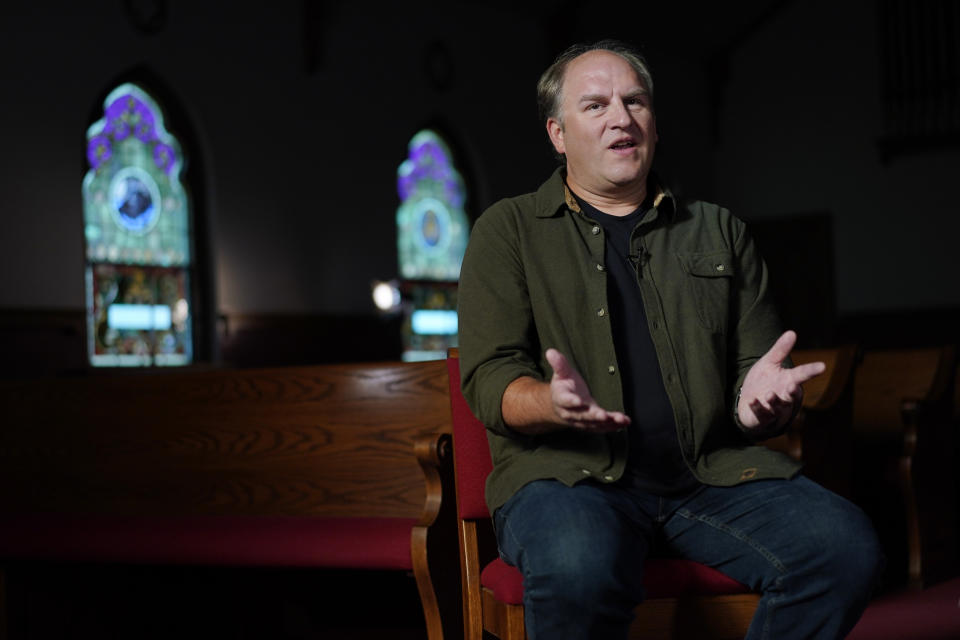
<point>619,114</point>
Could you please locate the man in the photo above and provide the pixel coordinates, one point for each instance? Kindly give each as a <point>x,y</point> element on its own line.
<point>623,352</point>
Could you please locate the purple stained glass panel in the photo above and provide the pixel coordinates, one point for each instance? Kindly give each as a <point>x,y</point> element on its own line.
<point>98,151</point>
<point>163,156</point>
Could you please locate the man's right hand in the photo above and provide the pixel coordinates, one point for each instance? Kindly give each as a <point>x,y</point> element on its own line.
<point>572,401</point>
<point>533,407</point>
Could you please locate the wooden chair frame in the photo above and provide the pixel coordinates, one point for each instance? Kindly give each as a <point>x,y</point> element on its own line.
<point>711,616</point>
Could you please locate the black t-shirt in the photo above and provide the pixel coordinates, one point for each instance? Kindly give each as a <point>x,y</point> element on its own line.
<point>654,463</point>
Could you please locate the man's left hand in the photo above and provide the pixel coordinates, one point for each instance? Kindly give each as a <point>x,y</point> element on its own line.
<point>771,392</point>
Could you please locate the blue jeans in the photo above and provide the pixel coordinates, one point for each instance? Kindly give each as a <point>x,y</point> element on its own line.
<point>813,555</point>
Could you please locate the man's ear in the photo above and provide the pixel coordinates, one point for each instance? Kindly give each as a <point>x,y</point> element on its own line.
<point>555,132</point>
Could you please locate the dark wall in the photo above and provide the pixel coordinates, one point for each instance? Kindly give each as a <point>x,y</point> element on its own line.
<point>301,131</point>
<point>803,124</point>
<point>302,112</point>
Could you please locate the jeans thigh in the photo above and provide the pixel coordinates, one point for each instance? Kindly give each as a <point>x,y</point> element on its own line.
<point>592,531</point>
<point>759,532</point>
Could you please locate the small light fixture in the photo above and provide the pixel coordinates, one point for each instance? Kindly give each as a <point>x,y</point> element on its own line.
<point>386,296</point>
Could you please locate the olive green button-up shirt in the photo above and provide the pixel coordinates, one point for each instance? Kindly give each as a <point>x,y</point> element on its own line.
<point>533,277</point>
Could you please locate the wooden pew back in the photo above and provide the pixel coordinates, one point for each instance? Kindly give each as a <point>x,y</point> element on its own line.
<point>827,388</point>
<point>821,436</point>
<point>887,378</point>
<point>332,440</point>
<point>906,459</point>
<point>319,466</point>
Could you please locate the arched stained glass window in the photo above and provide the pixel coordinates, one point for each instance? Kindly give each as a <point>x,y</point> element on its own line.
<point>432,227</point>
<point>137,230</point>
<point>432,232</point>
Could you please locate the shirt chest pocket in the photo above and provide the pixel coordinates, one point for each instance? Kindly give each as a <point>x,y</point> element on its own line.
<point>709,277</point>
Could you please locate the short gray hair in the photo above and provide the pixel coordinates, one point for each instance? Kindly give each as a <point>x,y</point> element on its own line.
<point>550,86</point>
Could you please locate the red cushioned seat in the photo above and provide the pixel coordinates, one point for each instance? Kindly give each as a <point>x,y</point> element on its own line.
<point>676,577</point>
<point>505,581</point>
<point>663,578</point>
<point>356,543</point>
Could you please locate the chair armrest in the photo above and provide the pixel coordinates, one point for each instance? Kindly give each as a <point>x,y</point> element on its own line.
<point>433,541</point>
<point>433,454</point>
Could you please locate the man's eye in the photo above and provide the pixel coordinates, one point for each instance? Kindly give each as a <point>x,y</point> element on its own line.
<point>594,106</point>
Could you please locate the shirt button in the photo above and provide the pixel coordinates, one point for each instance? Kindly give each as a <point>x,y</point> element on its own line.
<point>595,230</point>
<point>585,472</point>
<point>656,325</point>
<point>608,478</point>
<point>670,377</point>
<point>600,267</point>
<point>601,312</point>
<point>611,369</point>
<point>721,267</point>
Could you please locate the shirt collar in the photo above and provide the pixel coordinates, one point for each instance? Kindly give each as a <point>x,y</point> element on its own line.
<point>554,195</point>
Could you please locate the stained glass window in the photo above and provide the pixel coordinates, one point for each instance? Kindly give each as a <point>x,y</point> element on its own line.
<point>137,237</point>
<point>432,227</point>
<point>432,232</point>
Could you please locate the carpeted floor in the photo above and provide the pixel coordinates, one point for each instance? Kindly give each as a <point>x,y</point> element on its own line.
<point>931,614</point>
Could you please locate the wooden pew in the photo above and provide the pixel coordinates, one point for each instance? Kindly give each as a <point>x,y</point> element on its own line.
<point>821,434</point>
<point>921,477</point>
<point>290,467</point>
<point>906,455</point>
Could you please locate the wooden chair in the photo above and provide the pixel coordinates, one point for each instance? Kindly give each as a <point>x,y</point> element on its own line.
<point>685,599</point>
<point>905,441</point>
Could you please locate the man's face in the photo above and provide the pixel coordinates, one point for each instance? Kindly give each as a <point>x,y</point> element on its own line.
<point>608,131</point>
